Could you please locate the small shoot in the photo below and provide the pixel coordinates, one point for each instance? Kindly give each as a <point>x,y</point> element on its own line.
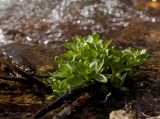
<point>89,61</point>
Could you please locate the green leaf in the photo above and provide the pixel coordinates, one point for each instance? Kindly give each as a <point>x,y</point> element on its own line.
<point>76,82</point>
<point>90,39</point>
<point>77,65</point>
<point>95,38</point>
<point>65,67</point>
<point>106,45</point>
<point>58,60</point>
<point>100,78</point>
<point>97,65</point>
<point>90,53</point>
<point>118,80</point>
<point>92,46</point>
<point>70,46</point>
<point>59,74</point>
<point>143,51</point>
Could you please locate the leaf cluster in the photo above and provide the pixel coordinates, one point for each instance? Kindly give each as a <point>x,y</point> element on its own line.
<point>89,61</point>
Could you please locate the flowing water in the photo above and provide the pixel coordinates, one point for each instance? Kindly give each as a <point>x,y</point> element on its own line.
<point>52,22</point>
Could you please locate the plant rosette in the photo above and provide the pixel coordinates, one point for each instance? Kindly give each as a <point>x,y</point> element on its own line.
<point>89,60</point>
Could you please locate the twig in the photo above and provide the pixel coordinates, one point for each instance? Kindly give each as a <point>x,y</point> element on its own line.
<point>15,79</point>
<point>72,108</point>
<point>59,101</point>
<point>24,74</point>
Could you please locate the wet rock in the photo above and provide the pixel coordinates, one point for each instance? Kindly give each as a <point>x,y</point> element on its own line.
<point>153,36</point>
<point>27,99</point>
<point>140,35</point>
<point>121,114</point>
<point>30,58</point>
<point>148,6</point>
<point>157,117</point>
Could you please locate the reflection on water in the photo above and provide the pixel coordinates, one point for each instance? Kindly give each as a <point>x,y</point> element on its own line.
<point>2,37</point>
<point>58,20</point>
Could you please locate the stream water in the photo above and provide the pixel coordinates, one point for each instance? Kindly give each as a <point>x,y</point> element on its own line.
<point>50,23</point>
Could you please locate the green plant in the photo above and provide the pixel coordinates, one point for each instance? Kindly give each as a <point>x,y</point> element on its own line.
<point>89,60</point>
